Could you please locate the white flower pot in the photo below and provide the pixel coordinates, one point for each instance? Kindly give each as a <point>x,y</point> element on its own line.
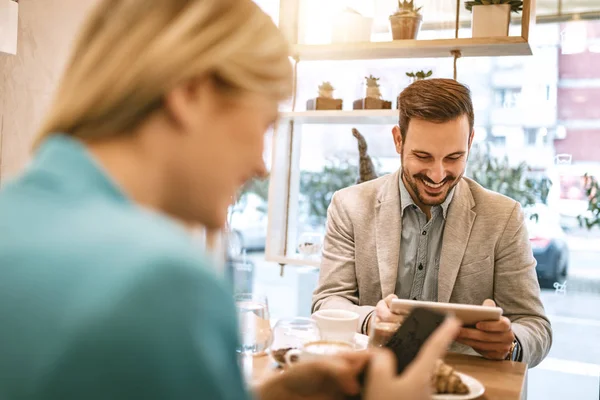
<point>490,20</point>
<point>351,28</point>
<point>9,17</point>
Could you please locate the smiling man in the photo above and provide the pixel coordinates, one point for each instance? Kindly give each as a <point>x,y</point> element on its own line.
<point>428,233</point>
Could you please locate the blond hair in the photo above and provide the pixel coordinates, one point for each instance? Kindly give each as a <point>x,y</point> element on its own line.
<point>131,53</point>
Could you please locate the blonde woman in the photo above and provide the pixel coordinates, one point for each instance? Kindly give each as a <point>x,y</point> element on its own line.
<point>160,115</point>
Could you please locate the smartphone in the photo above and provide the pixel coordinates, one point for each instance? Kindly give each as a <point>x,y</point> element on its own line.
<point>406,342</point>
<point>412,334</point>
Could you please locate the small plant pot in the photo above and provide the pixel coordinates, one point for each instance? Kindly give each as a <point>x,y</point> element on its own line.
<point>373,92</point>
<point>349,28</point>
<point>324,103</point>
<point>405,27</point>
<point>9,17</point>
<point>371,103</point>
<point>490,20</point>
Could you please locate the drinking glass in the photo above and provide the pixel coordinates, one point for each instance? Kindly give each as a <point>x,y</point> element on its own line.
<point>310,244</point>
<point>254,323</point>
<point>292,333</point>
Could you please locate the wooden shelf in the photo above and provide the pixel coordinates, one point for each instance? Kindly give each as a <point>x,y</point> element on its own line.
<point>296,259</point>
<point>469,47</point>
<point>363,117</point>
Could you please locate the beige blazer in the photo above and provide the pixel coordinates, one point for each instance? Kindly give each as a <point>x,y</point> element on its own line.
<point>485,254</point>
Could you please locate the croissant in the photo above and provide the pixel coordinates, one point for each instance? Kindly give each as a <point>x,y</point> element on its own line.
<point>445,380</point>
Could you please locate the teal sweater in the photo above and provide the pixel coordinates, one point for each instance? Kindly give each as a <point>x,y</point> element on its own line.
<point>101,299</point>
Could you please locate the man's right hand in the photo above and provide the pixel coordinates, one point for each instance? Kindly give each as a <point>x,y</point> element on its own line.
<point>383,312</point>
<point>415,382</point>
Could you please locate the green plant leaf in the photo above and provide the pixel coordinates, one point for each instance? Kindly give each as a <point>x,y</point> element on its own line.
<point>499,175</point>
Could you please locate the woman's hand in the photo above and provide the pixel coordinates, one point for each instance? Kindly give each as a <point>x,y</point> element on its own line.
<point>328,378</point>
<point>415,381</point>
<point>336,377</point>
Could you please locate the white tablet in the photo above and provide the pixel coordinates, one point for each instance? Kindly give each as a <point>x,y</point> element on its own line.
<point>467,313</point>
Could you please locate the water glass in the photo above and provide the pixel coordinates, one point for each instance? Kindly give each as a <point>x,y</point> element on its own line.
<point>292,333</point>
<point>310,244</point>
<point>254,323</point>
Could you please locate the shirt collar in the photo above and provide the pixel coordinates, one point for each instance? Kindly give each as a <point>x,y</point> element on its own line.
<point>73,168</point>
<point>406,199</point>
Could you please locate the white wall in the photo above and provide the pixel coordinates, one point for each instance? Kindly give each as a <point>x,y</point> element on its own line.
<point>27,80</point>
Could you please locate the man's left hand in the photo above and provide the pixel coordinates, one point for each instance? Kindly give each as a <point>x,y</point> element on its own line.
<point>491,339</point>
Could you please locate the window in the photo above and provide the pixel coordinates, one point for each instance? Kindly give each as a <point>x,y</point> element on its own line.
<point>507,98</point>
<point>531,135</point>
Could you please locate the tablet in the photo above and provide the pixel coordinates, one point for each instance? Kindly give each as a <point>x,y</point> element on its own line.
<point>467,313</point>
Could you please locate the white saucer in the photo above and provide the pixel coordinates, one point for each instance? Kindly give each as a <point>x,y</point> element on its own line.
<point>476,389</point>
<point>361,342</point>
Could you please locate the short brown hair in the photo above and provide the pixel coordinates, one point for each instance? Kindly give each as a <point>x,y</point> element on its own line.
<point>435,100</point>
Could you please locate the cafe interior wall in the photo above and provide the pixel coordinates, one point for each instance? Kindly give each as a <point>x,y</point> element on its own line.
<point>28,79</point>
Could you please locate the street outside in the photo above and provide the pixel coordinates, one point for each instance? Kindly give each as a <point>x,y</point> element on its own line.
<point>571,370</point>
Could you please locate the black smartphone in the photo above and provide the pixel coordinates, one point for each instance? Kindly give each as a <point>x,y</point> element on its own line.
<point>412,334</point>
<point>406,342</point>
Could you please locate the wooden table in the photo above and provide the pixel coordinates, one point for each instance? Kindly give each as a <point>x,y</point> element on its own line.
<point>502,379</point>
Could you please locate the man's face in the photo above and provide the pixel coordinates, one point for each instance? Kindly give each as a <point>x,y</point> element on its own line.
<point>434,157</point>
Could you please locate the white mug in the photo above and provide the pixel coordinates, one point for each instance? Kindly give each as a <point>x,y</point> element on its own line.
<point>317,349</point>
<point>337,325</point>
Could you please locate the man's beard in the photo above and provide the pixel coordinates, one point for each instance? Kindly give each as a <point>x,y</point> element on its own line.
<point>412,182</point>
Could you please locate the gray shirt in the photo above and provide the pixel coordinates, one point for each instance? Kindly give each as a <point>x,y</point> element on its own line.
<point>420,248</point>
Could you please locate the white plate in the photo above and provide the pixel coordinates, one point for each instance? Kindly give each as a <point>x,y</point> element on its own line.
<point>476,390</point>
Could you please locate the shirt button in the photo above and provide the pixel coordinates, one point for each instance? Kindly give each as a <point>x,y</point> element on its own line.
<point>424,233</point>
<point>420,267</point>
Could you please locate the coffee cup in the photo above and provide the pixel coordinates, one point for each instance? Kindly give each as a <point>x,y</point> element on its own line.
<point>337,325</point>
<point>315,350</point>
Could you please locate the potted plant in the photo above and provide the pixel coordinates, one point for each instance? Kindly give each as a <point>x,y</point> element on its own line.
<point>491,18</point>
<point>372,99</point>
<point>325,100</point>
<point>373,87</point>
<point>419,75</point>
<point>592,190</point>
<point>326,90</point>
<point>350,26</point>
<point>406,21</point>
<point>414,76</point>
<point>9,17</point>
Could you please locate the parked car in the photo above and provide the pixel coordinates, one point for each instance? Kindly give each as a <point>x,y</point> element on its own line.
<point>549,245</point>
<point>249,225</point>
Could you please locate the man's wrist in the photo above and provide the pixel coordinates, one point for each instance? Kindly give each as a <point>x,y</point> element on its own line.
<point>515,353</point>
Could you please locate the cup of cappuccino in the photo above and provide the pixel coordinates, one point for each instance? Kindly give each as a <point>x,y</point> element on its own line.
<point>315,350</point>
<point>337,325</point>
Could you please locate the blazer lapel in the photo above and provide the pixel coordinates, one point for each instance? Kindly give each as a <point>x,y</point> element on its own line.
<point>457,230</point>
<point>388,233</point>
